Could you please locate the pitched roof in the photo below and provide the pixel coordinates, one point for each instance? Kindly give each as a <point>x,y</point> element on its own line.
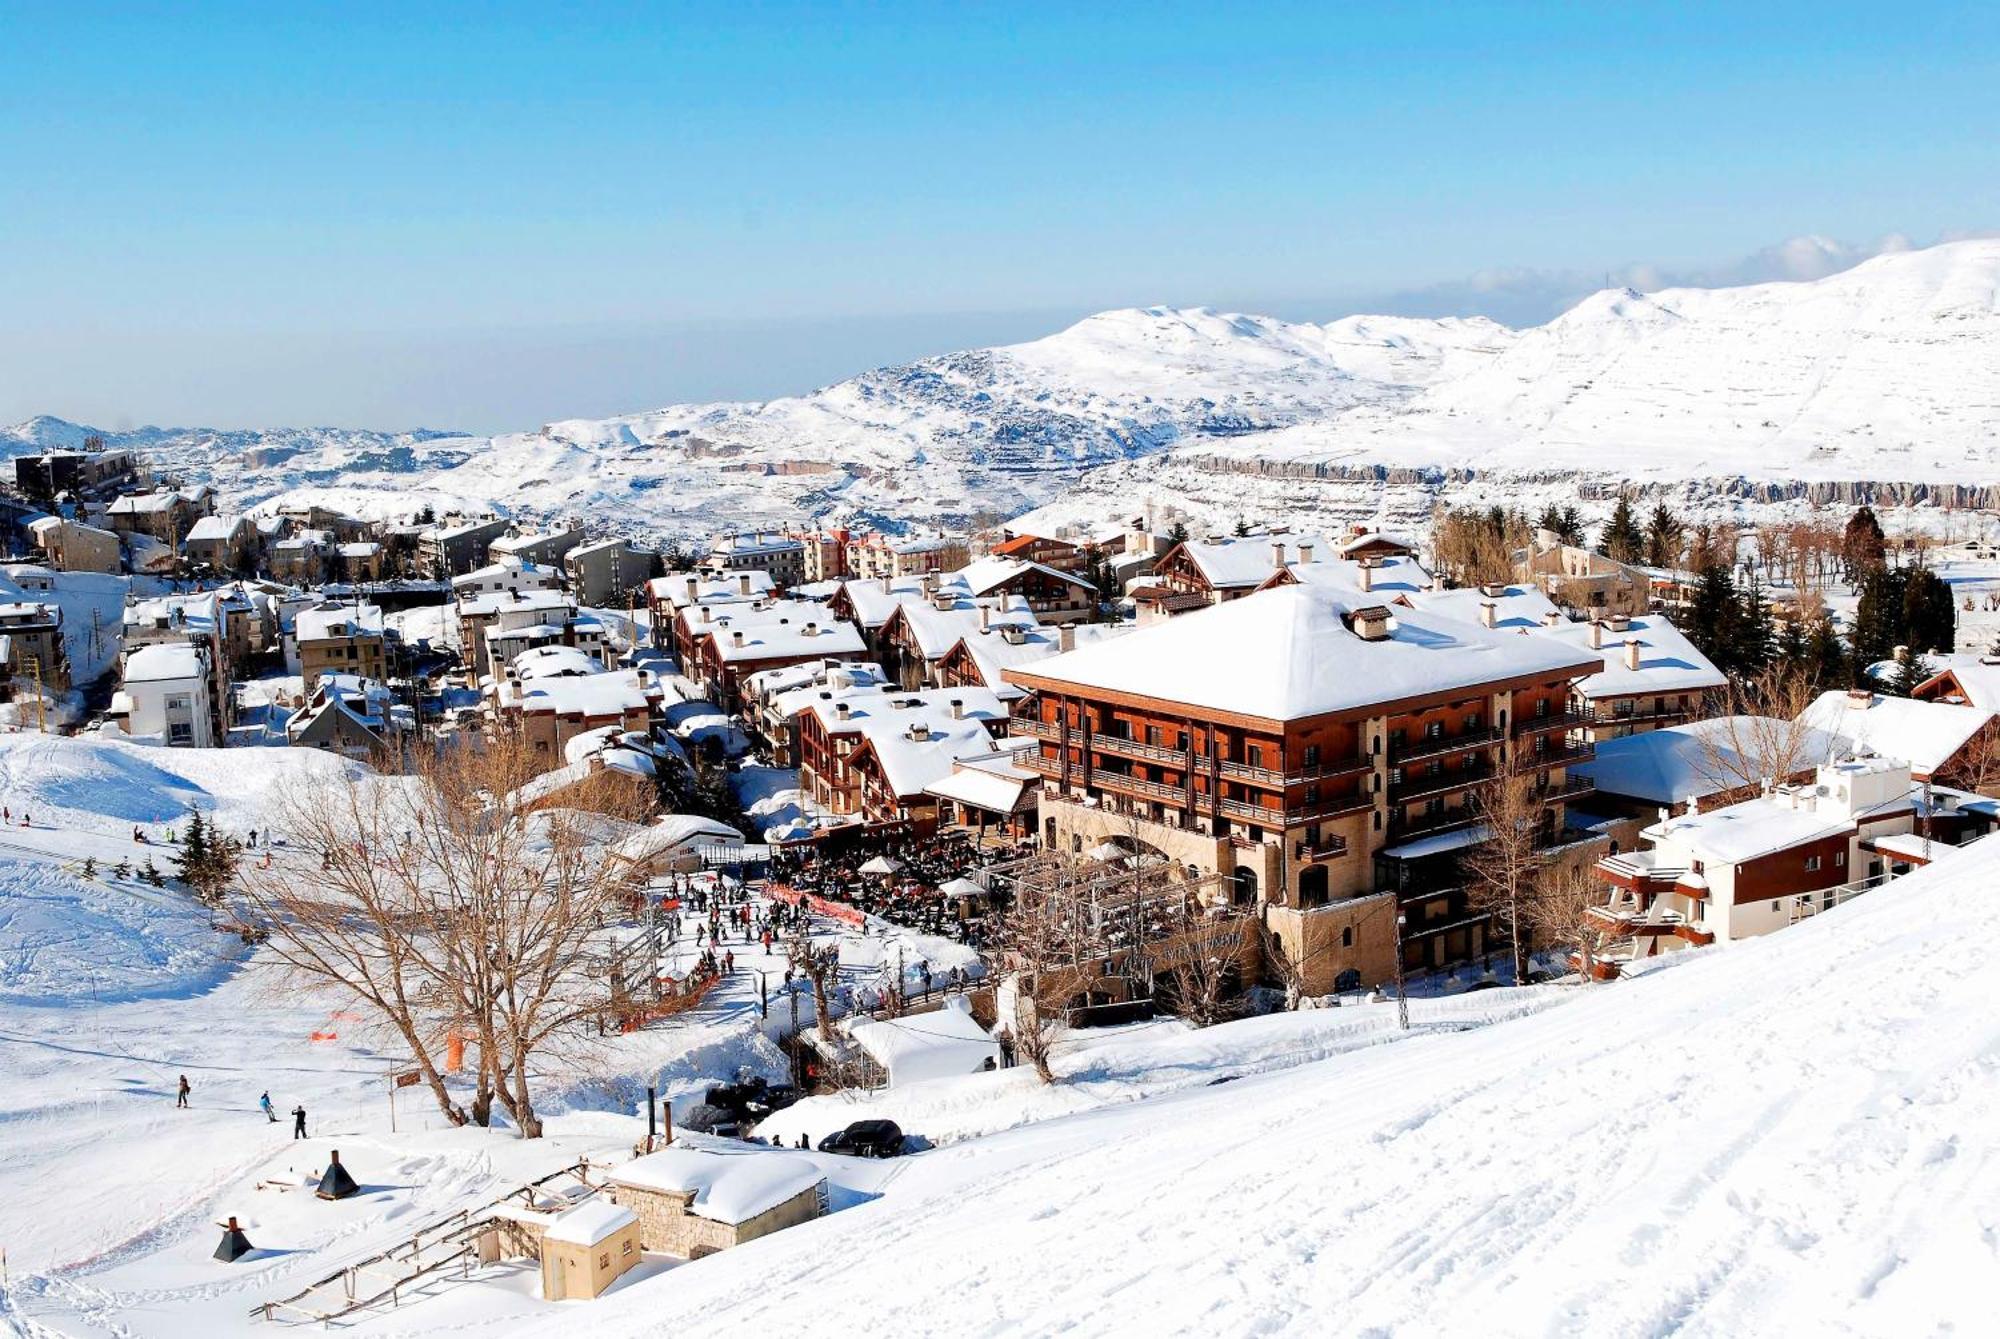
<point>1289,653</point>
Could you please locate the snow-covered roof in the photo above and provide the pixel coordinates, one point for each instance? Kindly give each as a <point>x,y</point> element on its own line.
<point>1756,827</point>
<point>936,630</point>
<point>611,693</point>
<point>1386,577</point>
<point>994,570</point>
<point>993,784</point>
<point>1668,661</point>
<point>994,652</point>
<point>1702,758</point>
<point>146,504</point>
<point>1977,676</point>
<point>743,546</point>
<point>330,621</point>
<point>494,602</point>
<point>551,662</point>
<point>671,832</point>
<point>727,1186</point>
<point>710,587</point>
<point>1290,652</point>
<point>1251,560</point>
<point>1923,734</point>
<point>774,629</point>
<point>944,1043</point>
<point>164,661</point>
<point>215,527</point>
<point>362,548</point>
<point>590,1222</point>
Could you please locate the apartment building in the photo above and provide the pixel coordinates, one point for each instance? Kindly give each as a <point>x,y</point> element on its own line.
<point>340,638</point>
<point>1319,748</point>
<point>783,557</point>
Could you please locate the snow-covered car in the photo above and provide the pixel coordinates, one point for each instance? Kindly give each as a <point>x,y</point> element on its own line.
<point>866,1139</point>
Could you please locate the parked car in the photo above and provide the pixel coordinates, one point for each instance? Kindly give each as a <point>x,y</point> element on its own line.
<point>752,1099</point>
<point>866,1139</point>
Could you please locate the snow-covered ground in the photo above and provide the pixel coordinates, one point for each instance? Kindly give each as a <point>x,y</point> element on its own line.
<point>1786,1136</point>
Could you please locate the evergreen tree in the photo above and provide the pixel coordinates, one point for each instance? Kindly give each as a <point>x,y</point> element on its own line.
<point>1878,619</point>
<point>1826,658</point>
<point>1911,670</point>
<point>90,867</point>
<point>191,859</point>
<point>124,869</point>
<point>1571,527</point>
<point>1930,615</point>
<point>1550,519</point>
<point>1754,638</point>
<point>1861,545</point>
<point>151,874</point>
<point>1789,648</point>
<point>1621,540</point>
<point>1714,616</point>
<point>1242,528</point>
<point>1177,533</point>
<point>1663,536</point>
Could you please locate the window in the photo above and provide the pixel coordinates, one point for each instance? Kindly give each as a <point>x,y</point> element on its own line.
<point>1839,859</point>
<point>1472,720</point>
<point>1255,755</point>
<point>1774,906</point>
<point>1153,735</point>
<point>1311,758</point>
<point>180,732</point>
<point>604,1260</point>
<point>1347,936</point>
<point>181,703</point>
<point>1541,708</point>
<point>1812,864</point>
<point>1434,730</point>
<point>627,1248</point>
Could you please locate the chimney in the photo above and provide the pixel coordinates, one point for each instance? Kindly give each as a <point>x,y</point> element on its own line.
<point>957,709</point>
<point>1552,619</point>
<point>1306,555</point>
<point>736,637</point>
<point>743,583</point>
<point>1368,579</point>
<point>841,709</point>
<point>1278,553</point>
<point>1631,653</point>
<point>1066,637</point>
<point>1489,613</point>
<point>985,617</point>
<point>1596,635</point>
<point>692,586</point>
<point>812,629</point>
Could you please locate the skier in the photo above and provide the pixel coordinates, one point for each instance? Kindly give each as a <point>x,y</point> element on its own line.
<point>265,1103</point>
<point>299,1121</point>
<point>181,1098</point>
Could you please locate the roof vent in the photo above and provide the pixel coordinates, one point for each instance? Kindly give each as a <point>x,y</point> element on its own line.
<point>919,732</point>
<point>1014,633</point>
<point>1492,590</point>
<point>1616,623</point>
<point>1371,624</point>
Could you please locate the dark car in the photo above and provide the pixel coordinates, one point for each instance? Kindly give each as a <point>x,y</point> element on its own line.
<point>866,1139</point>
<point>752,1099</point>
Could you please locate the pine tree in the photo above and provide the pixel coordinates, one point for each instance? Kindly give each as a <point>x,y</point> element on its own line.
<point>1713,618</point>
<point>1878,619</point>
<point>1177,533</point>
<point>1663,536</point>
<point>1930,615</point>
<point>151,874</point>
<point>1861,545</point>
<point>1754,637</point>
<point>1242,527</point>
<point>90,867</point>
<point>1911,670</point>
<point>124,869</point>
<point>1621,540</point>
<point>1825,656</point>
<point>192,858</point>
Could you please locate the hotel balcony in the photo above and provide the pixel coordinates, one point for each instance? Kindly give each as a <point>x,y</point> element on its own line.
<point>1184,760</point>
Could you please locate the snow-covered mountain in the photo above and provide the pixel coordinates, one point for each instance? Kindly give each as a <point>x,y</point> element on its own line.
<point>1888,372</point>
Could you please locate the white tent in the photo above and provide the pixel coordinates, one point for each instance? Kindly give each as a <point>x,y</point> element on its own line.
<point>882,864</point>
<point>962,888</point>
<point>1108,852</point>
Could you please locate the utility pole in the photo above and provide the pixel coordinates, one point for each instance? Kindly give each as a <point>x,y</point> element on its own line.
<point>1402,996</point>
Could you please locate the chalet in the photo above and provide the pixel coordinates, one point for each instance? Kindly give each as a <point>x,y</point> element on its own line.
<point>1046,550</point>
<point>871,751</point>
<point>72,546</point>
<point>221,543</point>
<point>729,643</point>
<point>1319,749</point>
<point>1944,743</point>
<point>166,515</point>
<point>505,610</point>
<point>350,715</point>
<point>693,1202</point>
<point>1582,579</point>
<point>553,695</point>
<point>1746,869</point>
<point>1051,594</point>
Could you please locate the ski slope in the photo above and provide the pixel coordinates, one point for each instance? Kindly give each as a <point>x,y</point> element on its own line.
<point>1788,1137</point>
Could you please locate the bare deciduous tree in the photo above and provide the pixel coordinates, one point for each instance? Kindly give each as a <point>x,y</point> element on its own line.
<point>1760,733</point>
<point>1561,909</point>
<point>461,897</point>
<point>1501,869</point>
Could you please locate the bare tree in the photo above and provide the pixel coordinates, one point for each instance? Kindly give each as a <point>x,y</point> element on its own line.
<point>1760,733</point>
<point>458,898</point>
<point>1561,908</point>
<point>1501,869</point>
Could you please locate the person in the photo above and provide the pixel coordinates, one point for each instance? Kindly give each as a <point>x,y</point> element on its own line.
<point>299,1121</point>
<point>181,1098</point>
<point>265,1103</point>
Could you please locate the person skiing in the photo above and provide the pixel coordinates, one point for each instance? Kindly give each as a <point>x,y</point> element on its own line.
<point>299,1121</point>
<point>265,1103</point>
<point>181,1098</point>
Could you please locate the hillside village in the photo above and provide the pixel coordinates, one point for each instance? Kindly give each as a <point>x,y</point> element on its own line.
<point>593,909</point>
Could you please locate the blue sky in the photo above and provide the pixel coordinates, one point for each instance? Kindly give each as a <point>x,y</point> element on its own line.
<point>489,216</point>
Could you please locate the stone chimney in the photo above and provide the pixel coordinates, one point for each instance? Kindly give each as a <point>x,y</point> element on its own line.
<point>736,637</point>
<point>1596,635</point>
<point>985,617</point>
<point>841,709</point>
<point>1631,653</point>
<point>1306,553</point>
<point>693,584</point>
<point>743,584</point>
<point>1368,579</point>
<point>1277,553</point>
<point>1489,614</point>
<point>957,709</point>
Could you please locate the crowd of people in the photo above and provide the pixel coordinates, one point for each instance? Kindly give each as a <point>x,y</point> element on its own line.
<point>910,894</point>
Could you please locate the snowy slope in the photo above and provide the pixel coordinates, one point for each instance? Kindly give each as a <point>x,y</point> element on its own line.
<point>1786,1137</point>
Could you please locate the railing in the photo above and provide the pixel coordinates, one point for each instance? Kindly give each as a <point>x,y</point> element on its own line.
<point>1431,746</point>
<point>1441,784</point>
<point>1602,716</point>
<point>1425,824</point>
<point>1534,725</point>
<point>1185,759</point>
<point>1177,796</point>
